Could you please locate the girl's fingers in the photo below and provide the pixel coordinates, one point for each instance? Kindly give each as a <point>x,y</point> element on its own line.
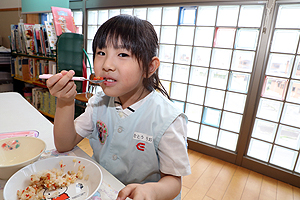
<point>60,84</point>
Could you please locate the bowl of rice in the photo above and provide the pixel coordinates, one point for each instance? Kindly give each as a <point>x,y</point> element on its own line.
<point>61,177</point>
<point>17,152</point>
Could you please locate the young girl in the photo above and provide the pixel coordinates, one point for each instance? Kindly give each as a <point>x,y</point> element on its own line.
<point>136,133</point>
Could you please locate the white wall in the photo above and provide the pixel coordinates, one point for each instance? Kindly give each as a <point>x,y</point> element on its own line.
<point>10,4</point>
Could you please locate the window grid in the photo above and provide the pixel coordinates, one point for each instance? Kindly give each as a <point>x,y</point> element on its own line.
<point>173,69</point>
<point>276,129</point>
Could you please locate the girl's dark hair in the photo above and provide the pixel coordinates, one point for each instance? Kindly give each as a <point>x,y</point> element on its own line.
<point>135,35</point>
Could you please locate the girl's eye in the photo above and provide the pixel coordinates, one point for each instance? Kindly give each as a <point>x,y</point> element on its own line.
<point>123,55</point>
<point>101,53</point>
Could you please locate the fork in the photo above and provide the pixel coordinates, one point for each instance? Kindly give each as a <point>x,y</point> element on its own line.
<point>75,78</point>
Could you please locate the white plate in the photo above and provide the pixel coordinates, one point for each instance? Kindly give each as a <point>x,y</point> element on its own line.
<point>80,190</point>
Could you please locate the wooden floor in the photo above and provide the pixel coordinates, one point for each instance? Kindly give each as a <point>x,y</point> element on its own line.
<point>214,179</point>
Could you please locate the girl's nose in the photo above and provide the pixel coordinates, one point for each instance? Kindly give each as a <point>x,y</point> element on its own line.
<point>108,65</point>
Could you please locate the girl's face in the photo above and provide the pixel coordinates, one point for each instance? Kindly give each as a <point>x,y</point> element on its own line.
<point>123,74</point>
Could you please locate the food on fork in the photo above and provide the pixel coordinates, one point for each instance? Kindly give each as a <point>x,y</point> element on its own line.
<point>98,78</point>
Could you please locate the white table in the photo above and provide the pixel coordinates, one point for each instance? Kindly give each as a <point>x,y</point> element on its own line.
<point>17,114</point>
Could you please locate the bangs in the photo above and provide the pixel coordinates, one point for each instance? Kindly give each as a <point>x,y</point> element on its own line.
<point>120,33</point>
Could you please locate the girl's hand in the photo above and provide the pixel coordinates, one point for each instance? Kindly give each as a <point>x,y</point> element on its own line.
<point>137,192</point>
<point>61,86</point>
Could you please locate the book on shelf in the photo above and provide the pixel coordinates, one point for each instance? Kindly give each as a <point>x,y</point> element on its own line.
<point>29,39</point>
<point>12,66</point>
<point>63,20</point>
<point>25,69</point>
<point>52,38</point>
<point>13,30</point>
<point>42,39</point>
<point>43,100</point>
<point>18,67</point>
<point>22,37</point>
<point>37,42</point>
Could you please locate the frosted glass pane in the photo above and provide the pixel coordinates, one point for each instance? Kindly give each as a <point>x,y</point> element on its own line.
<point>127,11</point>
<point>298,166</point>
<point>157,30</point>
<point>227,140</point>
<point>91,32</point>
<point>102,16</point>
<point>170,16</point>
<point>179,105</point>
<point>211,117</point>
<point>91,58</point>
<point>231,121</point>
<point>274,87</point>
<point>92,17</point>
<point>259,150</point>
<point>193,130</point>
<point>167,86</point>
<point>181,73</point>
<point>196,94</point>
<point>204,36</point>
<point>224,37</point>
<point>187,15</point>
<point>269,109</point>
<point>79,29</point>
<point>242,61</point>
<point>217,79</point>
<point>165,71</point>
<point>294,92</point>
<point>246,38</point>
<point>239,82</point>
<point>212,101</point>
<point>264,130</point>
<point>140,13</point>
<point>201,56</point>
<point>168,34</point>
<point>286,16</point>
<point>280,65</point>
<point>114,12</point>
<point>296,70</point>
<point>250,16</point>
<point>290,115</point>
<point>166,53</point>
<point>154,15</point>
<point>208,135</point>
<point>194,112</point>
<point>198,76</point>
<point>227,15</point>
<point>89,47</point>
<point>185,35</point>
<point>221,58</point>
<point>183,54</point>
<point>206,15</point>
<point>77,17</point>
<point>235,102</point>
<point>178,91</point>
<point>283,157</point>
<point>288,136</point>
<point>285,41</point>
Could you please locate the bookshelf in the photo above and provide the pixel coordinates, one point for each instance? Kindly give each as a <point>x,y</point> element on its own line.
<point>68,55</point>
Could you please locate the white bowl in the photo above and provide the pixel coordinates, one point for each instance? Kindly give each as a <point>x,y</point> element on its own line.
<point>80,190</point>
<point>17,152</point>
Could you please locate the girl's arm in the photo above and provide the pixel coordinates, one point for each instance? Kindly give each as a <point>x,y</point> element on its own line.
<point>65,136</point>
<point>168,187</point>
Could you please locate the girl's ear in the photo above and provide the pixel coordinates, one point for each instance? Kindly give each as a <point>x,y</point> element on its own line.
<point>153,65</point>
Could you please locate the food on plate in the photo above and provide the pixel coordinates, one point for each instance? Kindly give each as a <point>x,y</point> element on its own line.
<point>50,180</point>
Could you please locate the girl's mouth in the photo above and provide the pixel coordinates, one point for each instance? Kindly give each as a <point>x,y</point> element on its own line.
<point>110,80</point>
